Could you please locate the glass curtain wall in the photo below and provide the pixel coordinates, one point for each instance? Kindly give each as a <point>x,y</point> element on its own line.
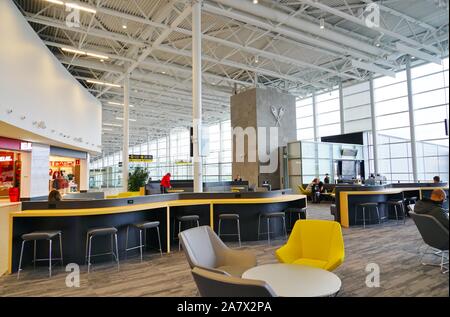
<point>171,154</point>
<point>430,93</point>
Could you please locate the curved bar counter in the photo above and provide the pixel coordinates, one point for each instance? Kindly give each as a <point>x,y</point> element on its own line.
<point>348,197</point>
<point>74,218</point>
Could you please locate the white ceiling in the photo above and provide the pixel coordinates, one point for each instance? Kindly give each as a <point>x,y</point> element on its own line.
<point>272,43</point>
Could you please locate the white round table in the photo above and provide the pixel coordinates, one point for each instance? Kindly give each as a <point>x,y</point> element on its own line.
<point>292,280</point>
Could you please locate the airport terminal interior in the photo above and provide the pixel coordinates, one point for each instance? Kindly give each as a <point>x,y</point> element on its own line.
<point>224,148</point>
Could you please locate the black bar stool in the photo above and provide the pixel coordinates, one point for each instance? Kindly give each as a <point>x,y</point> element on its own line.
<point>96,232</point>
<point>268,216</point>
<point>301,213</point>
<point>230,217</point>
<point>41,235</point>
<point>369,206</point>
<point>409,201</point>
<point>142,227</point>
<point>187,218</point>
<point>395,204</point>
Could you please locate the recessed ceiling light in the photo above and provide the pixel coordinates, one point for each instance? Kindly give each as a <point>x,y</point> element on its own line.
<point>118,104</point>
<point>91,81</point>
<point>255,1</point>
<point>322,23</point>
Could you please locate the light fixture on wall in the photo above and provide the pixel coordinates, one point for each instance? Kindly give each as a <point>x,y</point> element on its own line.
<point>322,23</point>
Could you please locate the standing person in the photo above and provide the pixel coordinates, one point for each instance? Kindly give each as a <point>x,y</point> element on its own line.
<point>165,183</point>
<point>436,179</point>
<point>238,178</point>
<point>326,180</point>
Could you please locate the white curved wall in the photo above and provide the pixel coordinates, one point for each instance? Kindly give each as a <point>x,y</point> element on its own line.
<point>37,88</point>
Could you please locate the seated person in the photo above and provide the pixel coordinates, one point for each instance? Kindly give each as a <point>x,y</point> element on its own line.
<point>433,206</point>
<point>326,180</point>
<point>436,179</point>
<point>315,187</point>
<point>54,195</point>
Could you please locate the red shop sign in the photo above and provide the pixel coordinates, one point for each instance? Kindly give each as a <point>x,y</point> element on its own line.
<point>62,163</point>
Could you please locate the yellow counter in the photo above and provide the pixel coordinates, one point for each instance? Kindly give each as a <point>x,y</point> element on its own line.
<point>7,235</point>
<point>6,209</point>
<point>343,198</point>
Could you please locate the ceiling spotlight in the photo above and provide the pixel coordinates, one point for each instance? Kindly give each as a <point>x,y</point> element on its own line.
<point>322,23</point>
<point>256,59</point>
<point>255,1</point>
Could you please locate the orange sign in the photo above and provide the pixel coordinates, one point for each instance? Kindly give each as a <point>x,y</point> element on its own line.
<point>62,163</point>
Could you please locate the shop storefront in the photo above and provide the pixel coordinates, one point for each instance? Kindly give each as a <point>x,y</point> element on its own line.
<point>64,174</point>
<point>11,156</point>
<point>68,171</point>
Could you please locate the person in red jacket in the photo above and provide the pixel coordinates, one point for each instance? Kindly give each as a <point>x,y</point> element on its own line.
<point>165,183</point>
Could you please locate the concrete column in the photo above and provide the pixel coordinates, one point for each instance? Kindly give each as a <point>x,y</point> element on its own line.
<point>126,131</point>
<point>341,108</point>
<point>197,93</point>
<point>374,126</point>
<point>411,119</point>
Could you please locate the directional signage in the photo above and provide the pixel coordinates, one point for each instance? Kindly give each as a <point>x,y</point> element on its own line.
<point>140,158</point>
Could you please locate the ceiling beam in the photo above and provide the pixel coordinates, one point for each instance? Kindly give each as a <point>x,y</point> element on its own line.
<point>362,23</point>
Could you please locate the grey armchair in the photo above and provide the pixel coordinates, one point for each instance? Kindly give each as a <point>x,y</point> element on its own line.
<point>434,234</point>
<point>212,284</point>
<point>204,249</point>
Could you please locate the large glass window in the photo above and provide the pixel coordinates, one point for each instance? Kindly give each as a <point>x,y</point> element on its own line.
<point>170,154</point>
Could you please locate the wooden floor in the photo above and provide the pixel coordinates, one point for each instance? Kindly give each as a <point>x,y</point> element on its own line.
<point>394,247</point>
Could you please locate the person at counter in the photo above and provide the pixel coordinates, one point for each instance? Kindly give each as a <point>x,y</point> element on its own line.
<point>238,178</point>
<point>433,206</point>
<point>436,179</point>
<point>165,183</point>
<point>54,195</point>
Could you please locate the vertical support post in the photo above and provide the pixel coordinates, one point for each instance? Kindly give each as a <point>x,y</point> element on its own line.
<point>197,93</point>
<point>341,107</point>
<point>373,115</point>
<point>126,130</point>
<point>411,119</point>
<point>316,129</point>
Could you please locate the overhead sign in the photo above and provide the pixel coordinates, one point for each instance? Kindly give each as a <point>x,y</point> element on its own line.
<point>62,163</point>
<point>140,158</point>
<point>25,146</point>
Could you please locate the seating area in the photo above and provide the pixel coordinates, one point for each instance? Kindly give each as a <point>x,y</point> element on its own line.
<point>198,149</point>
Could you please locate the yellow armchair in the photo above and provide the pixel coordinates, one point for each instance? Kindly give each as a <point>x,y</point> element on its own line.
<point>317,243</point>
<point>303,190</point>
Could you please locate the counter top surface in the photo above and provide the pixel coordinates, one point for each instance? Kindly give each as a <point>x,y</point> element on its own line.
<point>389,190</point>
<point>153,205</point>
